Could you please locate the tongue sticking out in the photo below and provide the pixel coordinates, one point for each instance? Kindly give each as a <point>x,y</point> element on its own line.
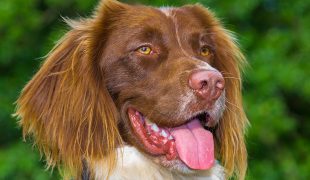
<point>194,144</point>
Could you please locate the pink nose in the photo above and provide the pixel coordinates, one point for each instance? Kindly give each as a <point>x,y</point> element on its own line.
<point>208,84</point>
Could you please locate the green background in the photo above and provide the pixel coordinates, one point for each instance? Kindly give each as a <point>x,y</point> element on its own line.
<point>274,35</point>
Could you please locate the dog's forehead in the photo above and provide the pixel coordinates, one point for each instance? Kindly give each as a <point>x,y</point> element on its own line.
<point>164,19</point>
<point>182,16</point>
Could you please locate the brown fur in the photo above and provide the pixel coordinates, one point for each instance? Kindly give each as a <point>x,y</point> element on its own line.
<point>75,105</point>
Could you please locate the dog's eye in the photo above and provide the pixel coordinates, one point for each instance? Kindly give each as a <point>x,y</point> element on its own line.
<point>205,51</point>
<point>144,50</point>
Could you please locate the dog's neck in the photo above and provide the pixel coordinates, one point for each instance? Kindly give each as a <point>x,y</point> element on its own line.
<point>132,164</point>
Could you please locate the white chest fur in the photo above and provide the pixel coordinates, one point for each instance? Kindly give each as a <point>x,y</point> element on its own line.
<point>132,165</point>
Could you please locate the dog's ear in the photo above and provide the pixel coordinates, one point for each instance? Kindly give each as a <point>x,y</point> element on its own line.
<point>66,106</point>
<point>229,61</point>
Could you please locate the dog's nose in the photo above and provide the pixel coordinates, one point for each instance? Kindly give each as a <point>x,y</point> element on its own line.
<point>208,84</point>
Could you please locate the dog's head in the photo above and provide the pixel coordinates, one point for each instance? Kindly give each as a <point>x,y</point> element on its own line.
<point>165,80</point>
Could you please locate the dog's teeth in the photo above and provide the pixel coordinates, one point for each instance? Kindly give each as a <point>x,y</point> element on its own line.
<point>154,127</point>
<point>163,133</point>
<point>170,137</point>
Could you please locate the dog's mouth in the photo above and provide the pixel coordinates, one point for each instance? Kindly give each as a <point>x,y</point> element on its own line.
<point>191,142</point>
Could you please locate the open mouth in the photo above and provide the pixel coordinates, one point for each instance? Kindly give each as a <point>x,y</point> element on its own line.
<point>190,142</point>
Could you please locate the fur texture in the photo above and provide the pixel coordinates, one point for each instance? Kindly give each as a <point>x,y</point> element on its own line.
<point>131,160</point>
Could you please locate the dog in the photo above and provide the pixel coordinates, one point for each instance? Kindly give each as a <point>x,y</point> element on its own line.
<point>136,92</point>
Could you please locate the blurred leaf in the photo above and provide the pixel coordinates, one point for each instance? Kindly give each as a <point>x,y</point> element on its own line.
<point>18,161</point>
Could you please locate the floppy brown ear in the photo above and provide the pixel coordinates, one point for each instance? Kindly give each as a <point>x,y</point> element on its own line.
<point>66,106</point>
<point>230,61</point>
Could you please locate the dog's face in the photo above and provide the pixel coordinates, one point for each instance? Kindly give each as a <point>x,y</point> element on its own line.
<point>159,79</point>
<point>155,73</point>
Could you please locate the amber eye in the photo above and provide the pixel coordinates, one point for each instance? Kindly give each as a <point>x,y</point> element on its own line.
<point>205,51</point>
<point>145,50</point>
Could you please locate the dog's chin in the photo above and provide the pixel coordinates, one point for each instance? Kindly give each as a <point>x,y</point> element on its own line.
<point>175,165</point>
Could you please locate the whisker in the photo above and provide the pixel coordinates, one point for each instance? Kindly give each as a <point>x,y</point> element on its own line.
<point>226,77</point>
<point>230,75</point>
<point>229,109</point>
<point>224,72</point>
<point>233,104</point>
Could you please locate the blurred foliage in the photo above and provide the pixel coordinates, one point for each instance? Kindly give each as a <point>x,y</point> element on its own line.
<point>274,35</point>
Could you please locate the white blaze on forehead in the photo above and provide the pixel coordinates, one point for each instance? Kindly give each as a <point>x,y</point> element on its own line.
<point>168,11</point>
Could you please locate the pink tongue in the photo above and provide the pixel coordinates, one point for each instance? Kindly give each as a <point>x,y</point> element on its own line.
<point>194,145</point>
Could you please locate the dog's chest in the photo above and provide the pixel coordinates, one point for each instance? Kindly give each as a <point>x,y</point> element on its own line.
<point>131,164</point>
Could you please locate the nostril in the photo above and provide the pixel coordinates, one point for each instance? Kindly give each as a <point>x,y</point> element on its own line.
<point>198,80</point>
<point>204,83</point>
<point>220,84</point>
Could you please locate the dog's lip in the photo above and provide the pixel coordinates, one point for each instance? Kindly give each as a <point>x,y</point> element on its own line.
<point>156,141</point>
<point>205,119</point>
<point>203,115</point>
